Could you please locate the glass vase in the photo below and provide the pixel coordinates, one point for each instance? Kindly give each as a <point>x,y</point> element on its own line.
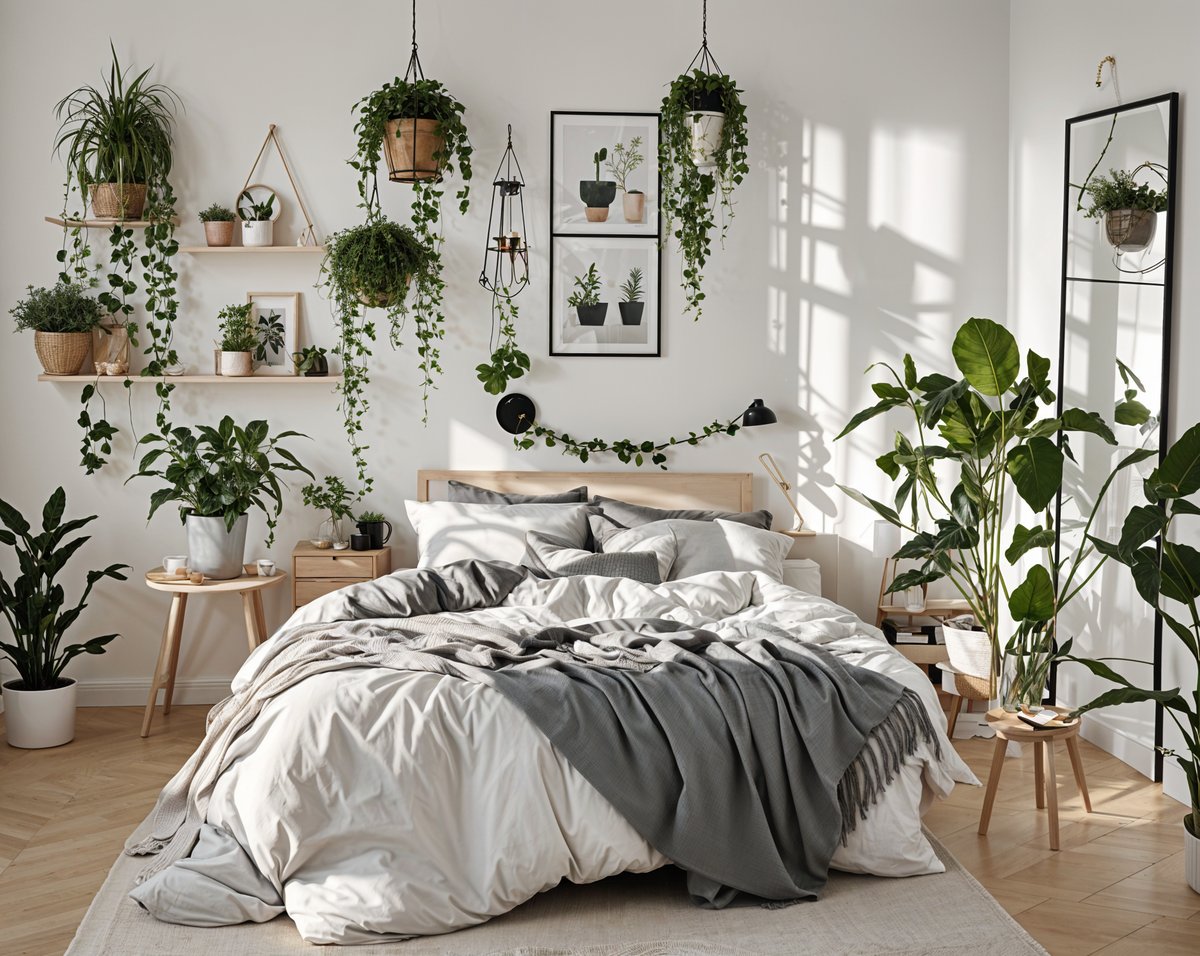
<point>331,530</point>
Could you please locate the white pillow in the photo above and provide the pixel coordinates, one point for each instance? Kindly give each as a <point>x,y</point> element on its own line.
<point>711,546</point>
<point>450,531</point>
<point>659,540</point>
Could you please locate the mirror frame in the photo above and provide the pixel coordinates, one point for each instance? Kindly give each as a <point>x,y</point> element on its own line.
<point>1168,300</point>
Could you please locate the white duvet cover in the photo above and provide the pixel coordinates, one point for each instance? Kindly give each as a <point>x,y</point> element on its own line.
<point>380,802</point>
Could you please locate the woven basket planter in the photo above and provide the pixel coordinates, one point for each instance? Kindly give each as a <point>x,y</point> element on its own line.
<point>219,233</point>
<point>62,353</point>
<point>117,200</point>
<point>410,146</point>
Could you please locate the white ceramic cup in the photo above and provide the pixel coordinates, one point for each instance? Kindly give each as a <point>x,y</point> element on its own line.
<point>266,567</point>
<point>173,563</point>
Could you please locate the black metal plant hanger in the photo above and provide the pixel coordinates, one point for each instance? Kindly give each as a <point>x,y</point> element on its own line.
<point>507,191</point>
<point>704,60</point>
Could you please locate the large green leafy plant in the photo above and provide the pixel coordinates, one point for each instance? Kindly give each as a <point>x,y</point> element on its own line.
<point>976,442</point>
<point>64,308</point>
<point>34,603</point>
<point>1119,190</point>
<point>221,472</point>
<point>691,196</point>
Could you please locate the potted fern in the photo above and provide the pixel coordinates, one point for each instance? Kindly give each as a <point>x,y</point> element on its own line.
<point>62,319</point>
<point>597,194</point>
<point>1130,209</point>
<point>631,304</point>
<point>585,300</point>
<point>39,706</point>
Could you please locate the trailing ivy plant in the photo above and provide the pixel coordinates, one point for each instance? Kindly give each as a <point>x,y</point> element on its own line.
<point>691,196</point>
<point>626,450</point>
<point>508,361</point>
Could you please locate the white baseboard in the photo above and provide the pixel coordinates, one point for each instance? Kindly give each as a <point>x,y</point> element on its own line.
<point>1139,754</point>
<point>133,691</point>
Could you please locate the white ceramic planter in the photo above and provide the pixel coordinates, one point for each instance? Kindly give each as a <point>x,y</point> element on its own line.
<point>237,364</point>
<point>213,550</point>
<point>970,651</point>
<point>35,719</point>
<point>1191,859</point>
<point>258,233</point>
<point>706,137</point>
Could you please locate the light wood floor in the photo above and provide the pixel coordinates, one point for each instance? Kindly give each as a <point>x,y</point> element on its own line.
<point>1115,887</point>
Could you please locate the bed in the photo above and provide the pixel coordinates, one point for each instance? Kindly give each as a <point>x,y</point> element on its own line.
<point>422,753</point>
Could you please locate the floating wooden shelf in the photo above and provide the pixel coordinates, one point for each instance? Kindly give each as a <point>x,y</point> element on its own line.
<point>107,223</point>
<point>197,379</point>
<point>198,250</point>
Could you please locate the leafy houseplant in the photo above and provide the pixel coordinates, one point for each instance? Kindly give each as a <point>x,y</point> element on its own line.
<point>507,361</point>
<point>691,193</point>
<point>239,339</point>
<point>62,320</point>
<point>40,705</point>
<point>258,226</point>
<point>216,475</point>
<point>631,304</point>
<point>1129,208</point>
<point>598,194</point>
<point>311,362</point>
<point>995,443</point>
<point>332,497</point>
<point>374,265</point>
<point>372,524</point>
<point>585,300</point>
<point>622,164</point>
<point>218,225</point>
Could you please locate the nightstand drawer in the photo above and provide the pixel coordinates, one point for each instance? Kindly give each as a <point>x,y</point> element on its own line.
<point>309,589</point>
<point>344,564</point>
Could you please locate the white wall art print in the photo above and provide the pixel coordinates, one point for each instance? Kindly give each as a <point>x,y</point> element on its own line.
<point>276,317</point>
<point>604,296</point>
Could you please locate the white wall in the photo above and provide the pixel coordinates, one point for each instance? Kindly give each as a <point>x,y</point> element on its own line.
<point>874,220</point>
<point>1055,48</point>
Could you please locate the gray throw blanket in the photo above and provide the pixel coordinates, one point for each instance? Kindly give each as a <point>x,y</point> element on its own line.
<point>744,763</point>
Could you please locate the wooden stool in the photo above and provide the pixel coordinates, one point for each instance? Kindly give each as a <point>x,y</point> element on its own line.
<point>250,586</point>
<point>1009,727</point>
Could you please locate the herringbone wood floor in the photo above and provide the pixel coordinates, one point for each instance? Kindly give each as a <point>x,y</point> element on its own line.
<point>1115,887</point>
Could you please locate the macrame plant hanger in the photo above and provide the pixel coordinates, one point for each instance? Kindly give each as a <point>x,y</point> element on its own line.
<point>309,235</point>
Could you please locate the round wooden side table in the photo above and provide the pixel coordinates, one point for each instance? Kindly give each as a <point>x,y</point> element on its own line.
<point>1009,727</point>
<point>250,586</point>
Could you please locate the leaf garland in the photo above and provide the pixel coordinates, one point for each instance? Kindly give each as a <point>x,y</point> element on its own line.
<point>626,450</point>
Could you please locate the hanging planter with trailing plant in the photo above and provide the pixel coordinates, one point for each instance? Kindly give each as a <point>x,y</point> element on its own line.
<point>702,159</point>
<point>1130,209</point>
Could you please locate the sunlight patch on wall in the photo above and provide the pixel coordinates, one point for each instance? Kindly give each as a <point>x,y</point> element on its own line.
<point>472,449</point>
<point>917,186</point>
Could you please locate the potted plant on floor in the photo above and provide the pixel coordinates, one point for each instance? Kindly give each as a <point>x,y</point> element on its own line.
<point>624,161</point>
<point>373,525</point>
<point>1130,209</point>
<point>238,341</point>
<point>996,445</point>
<point>311,362</point>
<point>597,194</point>
<point>703,121</point>
<point>62,319</point>
<point>631,304</point>
<point>118,140</point>
<point>39,706</point>
<point>1166,577</point>
<point>333,498</point>
<point>218,225</point>
<point>216,475</point>
<point>258,225</point>
<point>585,300</point>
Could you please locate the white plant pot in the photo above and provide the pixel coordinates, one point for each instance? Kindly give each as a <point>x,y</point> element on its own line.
<point>237,364</point>
<point>706,137</point>
<point>35,719</point>
<point>258,233</point>
<point>213,550</point>
<point>1191,859</point>
<point>970,651</point>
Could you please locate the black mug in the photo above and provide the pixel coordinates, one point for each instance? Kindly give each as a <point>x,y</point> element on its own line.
<point>360,542</point>
<point>374,530</point>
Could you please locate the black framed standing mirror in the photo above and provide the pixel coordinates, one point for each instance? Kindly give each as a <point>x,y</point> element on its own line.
<point>1117,283</point>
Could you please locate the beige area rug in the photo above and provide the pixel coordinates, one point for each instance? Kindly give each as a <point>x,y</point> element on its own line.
<point>628,915</point>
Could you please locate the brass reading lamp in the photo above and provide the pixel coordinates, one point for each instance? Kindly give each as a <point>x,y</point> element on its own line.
<point>771,467</point>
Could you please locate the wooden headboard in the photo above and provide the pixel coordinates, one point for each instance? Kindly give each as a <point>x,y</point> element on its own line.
<point>732,491</point>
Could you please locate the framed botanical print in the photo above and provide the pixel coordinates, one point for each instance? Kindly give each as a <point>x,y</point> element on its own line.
<point>605,223</point>
<point>276,317</point>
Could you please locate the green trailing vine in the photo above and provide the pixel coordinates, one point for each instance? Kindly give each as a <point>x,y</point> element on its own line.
<point>626,450</point>
<point>508,362</point>
<point>691,197</point>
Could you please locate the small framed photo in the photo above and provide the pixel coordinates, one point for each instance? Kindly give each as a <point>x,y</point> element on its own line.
<point>604,169</point>
<point>276,316</point>
<point>604,296</point>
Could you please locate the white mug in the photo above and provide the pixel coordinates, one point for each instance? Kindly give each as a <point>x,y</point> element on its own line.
<point>266,567</point>
<point>174,563</point>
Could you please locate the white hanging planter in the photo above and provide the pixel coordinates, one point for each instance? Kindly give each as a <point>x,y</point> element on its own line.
<point>36,719</point>
<point>706,137</point>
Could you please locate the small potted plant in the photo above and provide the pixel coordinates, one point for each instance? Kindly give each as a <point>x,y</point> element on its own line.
<point>585,300</point>
<point>216,475</point>
<point>631,304</point>
<point>238,342</point>
<point>372,524</point>
<point>597,194</point>
<point>622,164</point>
<point>39,706</point>
<point>332,497</point>
<point>218,225</point>
<point>1129,209</point>
<point>311,362</point>
<point>258,226</point>
<point>62,320</point>
<point>419,128</point>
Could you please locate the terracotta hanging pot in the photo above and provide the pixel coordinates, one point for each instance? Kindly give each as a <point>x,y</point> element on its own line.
<point>411,146</point>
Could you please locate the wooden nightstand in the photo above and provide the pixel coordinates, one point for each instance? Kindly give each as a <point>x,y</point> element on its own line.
<point>317,571</point>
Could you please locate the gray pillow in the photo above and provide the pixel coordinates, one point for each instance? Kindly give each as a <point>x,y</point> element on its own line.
<point>623,514</point>
<point>560,559</point>
<point>464,493</point>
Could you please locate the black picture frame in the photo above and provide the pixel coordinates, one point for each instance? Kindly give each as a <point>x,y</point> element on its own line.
<point>622,240</point>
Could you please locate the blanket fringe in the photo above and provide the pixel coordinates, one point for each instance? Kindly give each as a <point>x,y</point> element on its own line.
<point>896,738</point>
